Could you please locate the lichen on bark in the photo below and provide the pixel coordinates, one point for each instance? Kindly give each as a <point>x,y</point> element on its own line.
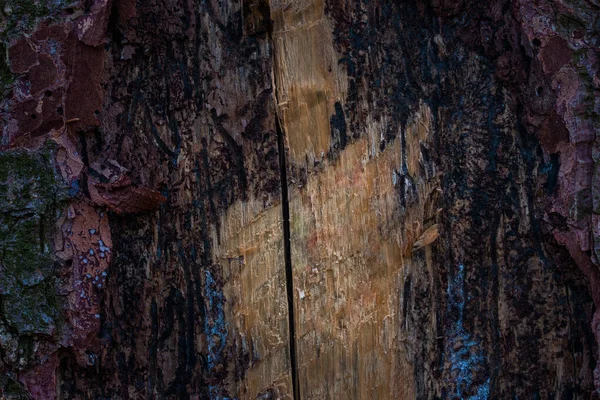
<point>31,194</point>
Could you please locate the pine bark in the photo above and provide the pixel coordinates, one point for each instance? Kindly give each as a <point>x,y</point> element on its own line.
<point>299,199</point>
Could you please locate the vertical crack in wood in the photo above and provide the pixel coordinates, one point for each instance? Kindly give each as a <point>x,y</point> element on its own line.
<point>285,208</point>
<point>289,276</point>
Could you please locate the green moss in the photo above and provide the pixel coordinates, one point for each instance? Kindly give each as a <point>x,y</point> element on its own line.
<point>33,310</point>
<point>21,16</point>
<point>6,77</point>
<point>28,182</point>
<point>30,195</point>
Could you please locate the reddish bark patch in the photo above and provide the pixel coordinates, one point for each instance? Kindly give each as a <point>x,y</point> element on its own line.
<point>42,75</point>
<point>37,117</point>
<point>85,65</point>
<point>88,244</point>
<point>41,33</point>
<point>57,32</point>
<point>21,56</point>
<point>552,132</point>
<point>123,197</point>
<point>51,116</point>
<point>27,116</point>
<point>91,28</point>
<point>555,54</point>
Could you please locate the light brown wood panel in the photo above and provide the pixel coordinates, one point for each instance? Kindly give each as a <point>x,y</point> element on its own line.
<point>251,253</point>
<point>308,76</point>
<point>351,240</point>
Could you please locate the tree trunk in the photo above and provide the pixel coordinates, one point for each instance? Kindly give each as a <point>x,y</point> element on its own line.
<point>301,199</point>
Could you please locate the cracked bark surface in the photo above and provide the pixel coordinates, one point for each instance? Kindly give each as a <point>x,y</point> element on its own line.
<point>440,178</point>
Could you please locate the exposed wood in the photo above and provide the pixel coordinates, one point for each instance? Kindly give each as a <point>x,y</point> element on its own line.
<point>251,254</point>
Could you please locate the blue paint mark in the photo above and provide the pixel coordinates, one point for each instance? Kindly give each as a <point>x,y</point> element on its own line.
<point>215,328</point>
<point>462,350</point>
<point>102,247</point>
<point>215,395</point>
<point>74,189</point>
<point>350,65</point>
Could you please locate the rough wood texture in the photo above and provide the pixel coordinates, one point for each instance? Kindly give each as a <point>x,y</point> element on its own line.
<point>177,150</point>
<point>439,168</point>
<point>428,140</point>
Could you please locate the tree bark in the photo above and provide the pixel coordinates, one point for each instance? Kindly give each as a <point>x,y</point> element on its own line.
<point>299,199</point>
